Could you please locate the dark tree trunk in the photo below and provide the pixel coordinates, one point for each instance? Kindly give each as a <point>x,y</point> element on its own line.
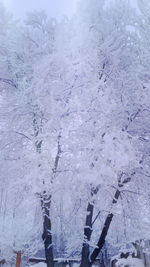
<point>87,235</point>
<point>46,203</point>
<point>101,240</point>
<point>46,199</point>
<point>47,234</point>
<point>104,232</point>
<point>88,231</point>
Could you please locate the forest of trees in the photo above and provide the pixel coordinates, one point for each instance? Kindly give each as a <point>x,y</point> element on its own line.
<point>75,131</point>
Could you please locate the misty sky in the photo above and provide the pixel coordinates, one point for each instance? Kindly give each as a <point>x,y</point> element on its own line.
<point>54,8</point>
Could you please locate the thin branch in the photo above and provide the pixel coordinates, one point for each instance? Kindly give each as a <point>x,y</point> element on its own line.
<point>8,81</point>
<point>23,135</point>
<point>96,217</point>
<point>129,191</point>
<point>6,145</point>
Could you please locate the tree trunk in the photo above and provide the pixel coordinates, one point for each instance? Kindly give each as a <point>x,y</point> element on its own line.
<point>46,202</point>
<point>87,235</point>
<point>47,234</point>
<point>88,230</point>
<point>104,232</point>
<point>46,199</point>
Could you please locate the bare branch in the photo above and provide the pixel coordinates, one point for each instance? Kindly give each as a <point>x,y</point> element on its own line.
<point>96,218</point>
<point>25,136</point>
<point>8,81</point>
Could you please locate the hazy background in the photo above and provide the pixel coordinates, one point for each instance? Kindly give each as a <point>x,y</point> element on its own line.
<point>54,8</point>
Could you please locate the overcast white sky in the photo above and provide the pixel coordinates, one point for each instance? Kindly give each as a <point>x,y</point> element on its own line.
<point>54,8</point>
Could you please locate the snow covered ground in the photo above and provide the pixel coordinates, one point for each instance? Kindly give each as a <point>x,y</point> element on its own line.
<point>132,262</point>
<point>40,264</point>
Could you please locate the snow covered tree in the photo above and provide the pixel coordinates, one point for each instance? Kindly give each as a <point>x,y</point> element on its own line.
<point>119,49</point>
<point>76,134</point>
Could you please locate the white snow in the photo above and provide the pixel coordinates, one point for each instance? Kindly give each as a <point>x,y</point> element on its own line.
<point>132,262</point>
<point>40,264</point>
